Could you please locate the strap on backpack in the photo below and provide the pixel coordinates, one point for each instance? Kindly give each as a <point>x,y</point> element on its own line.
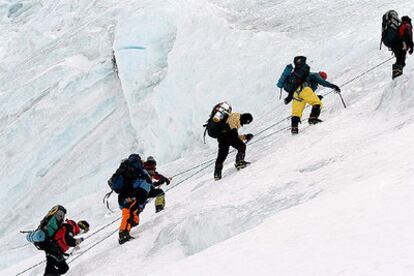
<point>106,202</point>
<point>204,136</point>
<point>205,131</point>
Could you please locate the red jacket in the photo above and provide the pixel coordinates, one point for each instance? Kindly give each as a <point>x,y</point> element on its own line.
<point>406,34</point>
<point>151,168</point>
<point>64,237</point>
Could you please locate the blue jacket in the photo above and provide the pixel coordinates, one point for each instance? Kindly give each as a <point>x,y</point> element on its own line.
<point>314,79</point>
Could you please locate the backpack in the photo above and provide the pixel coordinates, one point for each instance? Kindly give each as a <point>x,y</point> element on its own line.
<point>296,77</point>
<point>390,26</point>
<point>49,225</point>
<point>129,170</point>
<point>217,123</point>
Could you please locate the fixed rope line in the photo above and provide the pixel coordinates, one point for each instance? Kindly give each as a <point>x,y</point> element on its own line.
<point>269,134</point>
<point>273,125</point>
<point>92,246</point>
<point>204,166</point>
<point>190,169</point>
<point>87,237</point>
<point>102,228</point>
<point>208,161</point>
<point>362,74</point>
<point>332,90</point>
<point>30,268</point>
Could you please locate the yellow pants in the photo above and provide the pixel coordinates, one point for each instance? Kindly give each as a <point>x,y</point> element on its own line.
<point>160,201</point>
<point>303,97</point>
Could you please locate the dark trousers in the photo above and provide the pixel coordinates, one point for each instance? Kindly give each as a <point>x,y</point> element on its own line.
<point>55,265</point>
<point>224,142</point>
<point>400,54</point>
<point>142,195</point>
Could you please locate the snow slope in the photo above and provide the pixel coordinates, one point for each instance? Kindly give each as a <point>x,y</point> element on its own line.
<point>335,200</point>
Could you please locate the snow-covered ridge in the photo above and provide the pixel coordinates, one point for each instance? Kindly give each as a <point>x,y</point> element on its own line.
<point>331,196</point>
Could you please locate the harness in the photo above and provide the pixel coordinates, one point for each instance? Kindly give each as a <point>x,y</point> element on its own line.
<point>296,95</point>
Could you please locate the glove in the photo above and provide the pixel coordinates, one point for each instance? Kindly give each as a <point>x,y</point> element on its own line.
<point>337,89</point>
<point>167,181</point>
<point>410,51</point>
<point>78,241</point>
<point>248,137</point>
<point>320,97</point>
<point>288,99</point>
<point>141,207</point>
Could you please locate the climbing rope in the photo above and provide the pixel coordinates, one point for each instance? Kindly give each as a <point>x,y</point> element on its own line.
<point>277,123</point>
<point>287,118</point>
<point>30,268</point>
<point>208,161</point>
<point>361,75</point>
<point>87,237</point>
<point>92,246</point>
<point>204,165</point>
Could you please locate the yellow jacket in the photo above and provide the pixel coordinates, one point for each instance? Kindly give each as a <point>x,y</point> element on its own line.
<point>234,123</point>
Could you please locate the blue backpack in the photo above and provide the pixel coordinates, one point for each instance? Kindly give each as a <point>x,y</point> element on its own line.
<point>129,170</point>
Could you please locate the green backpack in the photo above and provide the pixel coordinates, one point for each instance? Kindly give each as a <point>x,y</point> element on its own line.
<point>42,236</point>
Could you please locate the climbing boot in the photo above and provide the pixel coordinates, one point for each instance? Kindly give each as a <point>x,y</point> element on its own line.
<point>124,236</point>
<point>159,203</point>
<point>217,171</point>
<point>314,121</point>
<point>397,70</point>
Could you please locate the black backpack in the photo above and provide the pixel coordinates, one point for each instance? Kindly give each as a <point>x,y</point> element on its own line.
<point>129,170</point>
<point>298,76</point>
<point>217,123</point>
<point>390,26</point>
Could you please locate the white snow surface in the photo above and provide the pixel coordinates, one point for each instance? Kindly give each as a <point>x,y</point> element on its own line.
<point>335,200</point>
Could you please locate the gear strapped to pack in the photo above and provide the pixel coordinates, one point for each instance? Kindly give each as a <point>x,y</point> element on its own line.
<point>390,26</point>
<point>42,236</point>
<point>217,123</point>
<point>293,77</point>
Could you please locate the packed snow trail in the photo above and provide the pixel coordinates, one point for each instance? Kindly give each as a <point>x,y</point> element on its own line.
<point>66,123</point>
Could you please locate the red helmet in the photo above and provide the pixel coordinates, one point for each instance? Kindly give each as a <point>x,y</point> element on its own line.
<point>323,75</point>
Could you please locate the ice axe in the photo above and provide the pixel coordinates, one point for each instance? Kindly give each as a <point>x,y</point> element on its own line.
<point>342,99</point>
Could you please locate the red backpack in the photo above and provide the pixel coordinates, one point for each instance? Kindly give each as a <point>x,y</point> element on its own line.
<point>60,236</point>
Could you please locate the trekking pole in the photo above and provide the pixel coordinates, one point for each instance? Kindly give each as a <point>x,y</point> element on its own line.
<point>342,99</point>
<point>280,95</point>
<point>26,231</point>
